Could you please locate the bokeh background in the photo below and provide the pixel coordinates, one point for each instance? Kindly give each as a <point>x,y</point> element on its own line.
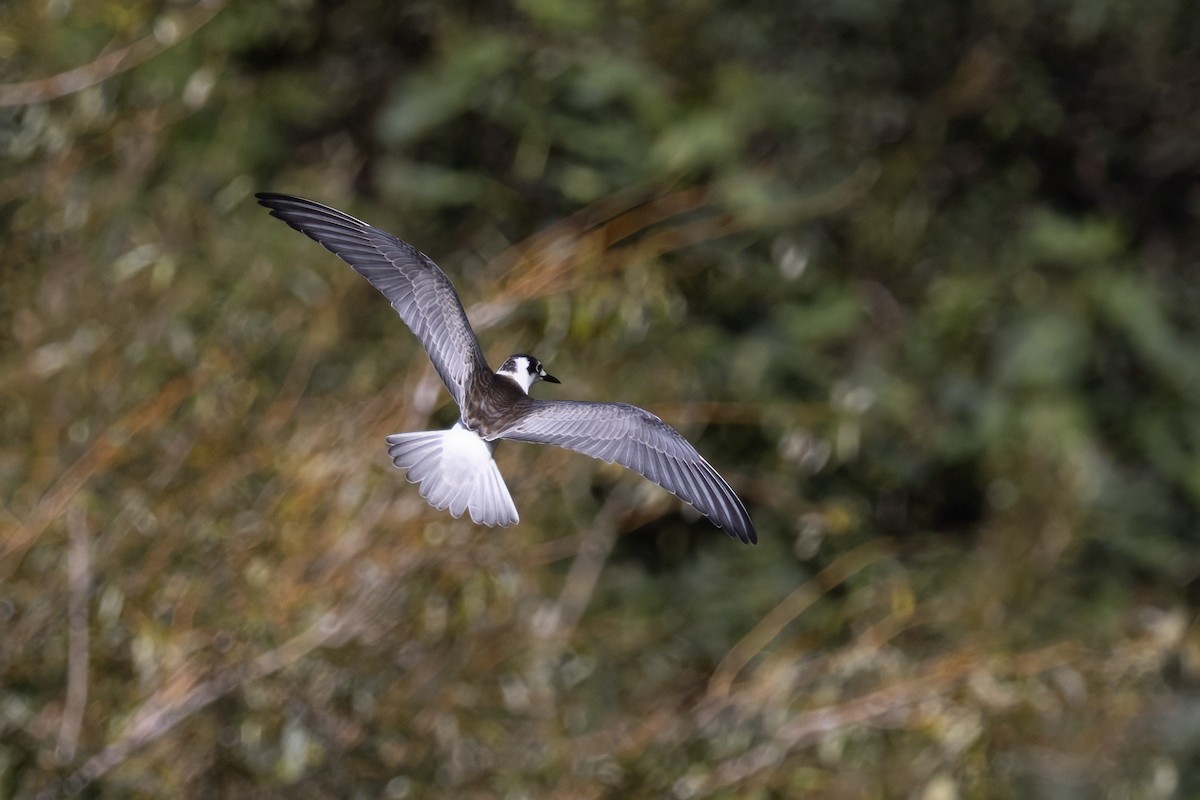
<point>919,278</point>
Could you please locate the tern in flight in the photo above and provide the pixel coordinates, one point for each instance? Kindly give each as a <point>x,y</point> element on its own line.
<point>454,467</point>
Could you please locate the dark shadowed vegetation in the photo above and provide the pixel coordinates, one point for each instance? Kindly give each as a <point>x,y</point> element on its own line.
<point>919,278</point>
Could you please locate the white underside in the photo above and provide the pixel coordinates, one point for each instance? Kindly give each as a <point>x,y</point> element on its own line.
<point>456,472</point>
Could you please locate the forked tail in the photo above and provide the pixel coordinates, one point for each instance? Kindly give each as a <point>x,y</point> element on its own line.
<point>455,471</point>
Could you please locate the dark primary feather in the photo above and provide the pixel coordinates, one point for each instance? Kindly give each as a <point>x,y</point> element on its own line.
<point>635,438</point>
<point>419,291</point>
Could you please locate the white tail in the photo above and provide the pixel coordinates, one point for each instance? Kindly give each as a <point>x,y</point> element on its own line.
<point>455,471</point>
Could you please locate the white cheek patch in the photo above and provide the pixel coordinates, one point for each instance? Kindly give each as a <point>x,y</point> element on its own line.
<point>521,374</point>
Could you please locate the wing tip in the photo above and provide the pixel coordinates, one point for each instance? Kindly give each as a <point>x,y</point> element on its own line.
<point>746,535</point>
<point>743,527</point>
<point>740,528</point>
<point>291,209</point>
<point>274,200</point>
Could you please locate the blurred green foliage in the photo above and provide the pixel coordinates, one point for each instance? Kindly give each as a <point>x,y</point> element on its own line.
<point>920,279</point>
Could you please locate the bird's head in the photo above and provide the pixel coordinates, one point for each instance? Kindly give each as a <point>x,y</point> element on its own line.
<point>525,370</point>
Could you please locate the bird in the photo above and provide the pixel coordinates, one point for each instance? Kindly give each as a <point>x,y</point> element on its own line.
<point>454,468</point>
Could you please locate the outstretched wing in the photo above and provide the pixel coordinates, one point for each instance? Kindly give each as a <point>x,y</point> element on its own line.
<point>417,288</point>
<point>635,438</point>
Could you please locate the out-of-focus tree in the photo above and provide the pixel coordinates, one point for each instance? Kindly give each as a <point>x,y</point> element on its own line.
<point>920,278</point>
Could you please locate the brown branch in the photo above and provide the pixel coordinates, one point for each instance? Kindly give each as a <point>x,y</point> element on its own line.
<point>79,579</point>
<point>554,626</point>
<point>944,676</point>
<point>800,599</point>
<point>185,695</point>
<point>584,573</point>
<point>96,458</point>
<point>287,399</point>
<point>569,252</point>
<point>43,90</point>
